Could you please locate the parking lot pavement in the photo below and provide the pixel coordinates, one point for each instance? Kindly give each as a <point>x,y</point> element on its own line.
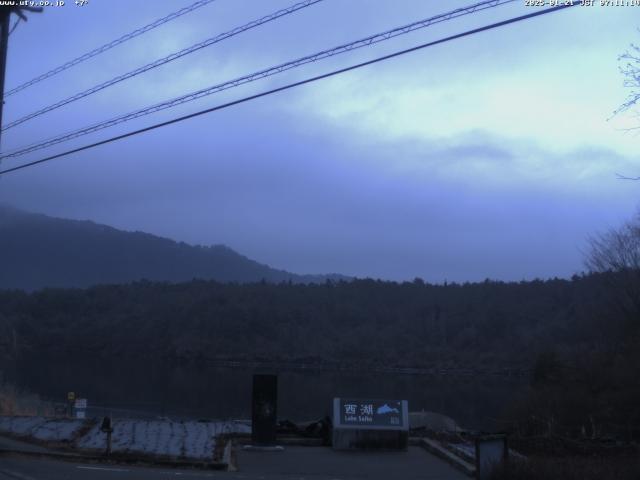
<point>323,462</point>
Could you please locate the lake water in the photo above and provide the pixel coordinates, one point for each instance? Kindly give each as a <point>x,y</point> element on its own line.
<point>146,388</point>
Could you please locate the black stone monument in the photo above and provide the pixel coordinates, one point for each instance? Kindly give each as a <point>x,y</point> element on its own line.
<point>264,411</point>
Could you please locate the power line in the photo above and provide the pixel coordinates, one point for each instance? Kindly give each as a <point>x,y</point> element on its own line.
<point>109,46</point>
<point>15,24</point>
<point>164,60</point>
<point>372,39</point>
<point>292,85</point>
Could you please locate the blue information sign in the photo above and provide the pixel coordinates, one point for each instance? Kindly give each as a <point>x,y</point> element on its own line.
<point>371,413</point>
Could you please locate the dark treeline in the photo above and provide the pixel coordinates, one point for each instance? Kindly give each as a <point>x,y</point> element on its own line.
<point>480,325</point>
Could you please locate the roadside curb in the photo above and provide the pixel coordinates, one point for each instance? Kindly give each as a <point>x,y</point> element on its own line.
<point>116,459</point>
<point>439,451</point>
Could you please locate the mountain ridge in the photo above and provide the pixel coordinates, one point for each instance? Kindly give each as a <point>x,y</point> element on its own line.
<point>39,251</point>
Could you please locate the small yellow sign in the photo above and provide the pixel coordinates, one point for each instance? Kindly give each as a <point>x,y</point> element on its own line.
<point>71,396</point>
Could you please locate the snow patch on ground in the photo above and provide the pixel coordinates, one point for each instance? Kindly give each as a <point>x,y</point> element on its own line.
<point>57,430</point>
<point>184,439</point>
<point>178,439</point>
<point>41,428</point>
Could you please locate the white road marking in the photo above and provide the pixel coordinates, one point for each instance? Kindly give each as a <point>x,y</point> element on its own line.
<point>103,468</point>
<point>160,472</point>
<point>185,474</point>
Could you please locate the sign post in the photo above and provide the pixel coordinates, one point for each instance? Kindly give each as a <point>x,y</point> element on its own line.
<point>107,428</point>
<point>80,408</point>
<point>370,424</point>
<point>71,397</point>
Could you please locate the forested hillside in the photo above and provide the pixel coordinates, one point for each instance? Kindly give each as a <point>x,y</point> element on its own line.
<point>38,251</point>
<point>481,325</point>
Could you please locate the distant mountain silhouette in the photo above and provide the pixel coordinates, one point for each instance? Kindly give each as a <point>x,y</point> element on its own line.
<point>38,251</point>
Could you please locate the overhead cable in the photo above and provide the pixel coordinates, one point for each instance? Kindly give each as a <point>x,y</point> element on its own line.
<point>163,61</point>
<point>364,42</point>
<point>108,46</point>
<point>290,85</point>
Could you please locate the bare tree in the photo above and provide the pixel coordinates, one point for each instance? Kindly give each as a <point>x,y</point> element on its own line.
<point>630,69</point>
<point>631,72</point>
<point>617,254</point>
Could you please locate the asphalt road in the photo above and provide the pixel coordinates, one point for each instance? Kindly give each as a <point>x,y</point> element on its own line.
<point>23,468</point>
<point>295,463</point>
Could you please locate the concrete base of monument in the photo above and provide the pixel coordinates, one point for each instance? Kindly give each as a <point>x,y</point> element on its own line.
<point>355,439</point>
<point>263,448</point>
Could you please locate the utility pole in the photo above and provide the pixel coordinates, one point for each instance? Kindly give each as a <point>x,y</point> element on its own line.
<point>5,21</point>
<point>4,43</point>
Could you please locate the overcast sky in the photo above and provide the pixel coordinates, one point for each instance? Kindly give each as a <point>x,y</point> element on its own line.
<point>490,156</point>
